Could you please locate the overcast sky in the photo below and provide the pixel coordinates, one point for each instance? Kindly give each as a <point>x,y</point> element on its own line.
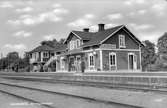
<point>25,23</point>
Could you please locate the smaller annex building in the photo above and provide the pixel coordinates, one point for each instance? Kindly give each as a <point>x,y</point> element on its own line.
<point>40,56</point>
<point>113,49</point>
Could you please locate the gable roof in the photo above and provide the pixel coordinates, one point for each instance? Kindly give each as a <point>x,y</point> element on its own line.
<point>98,37</point>
<point>42,48</point>
<point>83,35</point>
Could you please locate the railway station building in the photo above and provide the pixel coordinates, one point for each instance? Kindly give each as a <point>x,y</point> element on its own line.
<point>113,49</point>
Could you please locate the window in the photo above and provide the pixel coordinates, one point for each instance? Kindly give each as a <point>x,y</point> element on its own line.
<point>78,43</point>
<point>74,44</point>
<point>71,45</point>
<point>122,41</point>
<point>45,54</point>
<point>91,60</point>
<point>112,59</point>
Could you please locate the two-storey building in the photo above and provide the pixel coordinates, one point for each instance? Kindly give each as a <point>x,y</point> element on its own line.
<point>40,55</point>
<point>113,49</point>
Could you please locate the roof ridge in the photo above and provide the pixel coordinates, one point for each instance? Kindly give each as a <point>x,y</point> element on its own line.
<point>111,28</point>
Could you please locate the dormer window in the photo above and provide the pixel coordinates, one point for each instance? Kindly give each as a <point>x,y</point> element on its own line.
<point>122,41</point>
<point>74,44</point>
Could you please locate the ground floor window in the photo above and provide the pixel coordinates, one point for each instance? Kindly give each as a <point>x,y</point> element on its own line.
<point>112,59</point>
<point>91,60</point>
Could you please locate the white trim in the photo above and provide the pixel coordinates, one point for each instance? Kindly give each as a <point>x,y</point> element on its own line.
<point>62,63</point>
<point>91,50</point>
<point>111,49</point>
<point>111,34</point>
<point>121,37</point>
<point>133,60</point>
<point>101,60</point>
<point>140,58</point>
<point>62,71</point>
<point>113,53</point>
<point>79,43</point>
<point>74,34</point>
<point>132,36</point>
<point>91,54</point>
<point>41,56</point>
<point>88,70</point>
<point>122,49</point>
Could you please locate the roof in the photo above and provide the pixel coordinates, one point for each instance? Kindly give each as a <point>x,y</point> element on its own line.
<point>97,37</point>
<point>94,37</point>
<point>42,48</point>
<point>83,35</point>
<point>60,47</point>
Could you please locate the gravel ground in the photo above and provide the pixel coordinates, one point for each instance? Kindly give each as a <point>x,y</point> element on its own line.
<point>56,100</point>
<point>7,101</point>
<point>146,99</point>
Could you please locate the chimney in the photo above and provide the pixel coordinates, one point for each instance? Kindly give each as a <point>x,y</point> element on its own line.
<point>86,29</point>
<point>101,27</point>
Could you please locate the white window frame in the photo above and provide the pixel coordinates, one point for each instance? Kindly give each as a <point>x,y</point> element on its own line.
<point>45,54</point>
<point>111,55</point>
<point>91,55</point>
<point>78,43</point>
<point>122,41</point>
<point>134,60</point>
<point>71,44</point>
<point>74,44</point>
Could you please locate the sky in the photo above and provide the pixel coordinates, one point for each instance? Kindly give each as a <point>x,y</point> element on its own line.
<point>25,23</point>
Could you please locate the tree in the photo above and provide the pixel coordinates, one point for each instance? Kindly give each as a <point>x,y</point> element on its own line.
<point>162,52</point>
<point>162,44</point>
<point>148,54</point>
<point>50,43</point>
<point>61,41</point>
<point>3,63</point>
<point>13,55</point>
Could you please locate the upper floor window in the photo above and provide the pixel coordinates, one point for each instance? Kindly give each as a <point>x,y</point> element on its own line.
<point>122,41</point>
<point>78,43</point>
<point>74,44</point>
<point>45,54</point>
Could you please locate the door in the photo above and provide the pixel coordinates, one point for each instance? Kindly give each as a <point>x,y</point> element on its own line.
<point>71,64</point>
<point>132,58</point>
<point>78,63</point>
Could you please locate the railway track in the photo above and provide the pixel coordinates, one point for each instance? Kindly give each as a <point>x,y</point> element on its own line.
<point>60,94</point>
<point>28,100</point>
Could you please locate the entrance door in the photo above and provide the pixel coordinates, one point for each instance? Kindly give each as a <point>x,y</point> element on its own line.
<point>71,64</point>
<point>132,61</point>
<point>78,63</point>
